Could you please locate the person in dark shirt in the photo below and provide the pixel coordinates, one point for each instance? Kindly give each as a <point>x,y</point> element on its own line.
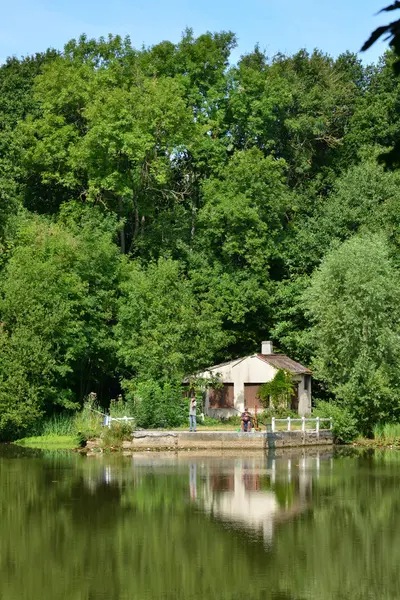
<point>245,420</point>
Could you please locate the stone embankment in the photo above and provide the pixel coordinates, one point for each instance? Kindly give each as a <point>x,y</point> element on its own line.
<point>221,440</point>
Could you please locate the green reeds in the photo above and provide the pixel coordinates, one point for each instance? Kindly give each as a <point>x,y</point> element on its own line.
<point>88,421</point>
<point>388,433</point>
<point>85,423</point>
<point>58,425</point>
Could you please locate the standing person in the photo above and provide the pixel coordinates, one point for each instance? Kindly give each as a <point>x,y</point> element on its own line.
<point>192,414</point>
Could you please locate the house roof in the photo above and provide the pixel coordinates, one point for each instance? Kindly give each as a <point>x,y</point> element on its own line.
<point>281,361</point>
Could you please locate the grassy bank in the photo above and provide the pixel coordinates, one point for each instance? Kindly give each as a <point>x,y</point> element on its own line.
<point>49,442</point>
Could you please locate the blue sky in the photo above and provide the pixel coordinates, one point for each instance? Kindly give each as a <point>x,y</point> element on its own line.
<point>29,26</point>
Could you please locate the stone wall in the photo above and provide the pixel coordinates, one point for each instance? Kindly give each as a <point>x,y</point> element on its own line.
<point>225,440</point>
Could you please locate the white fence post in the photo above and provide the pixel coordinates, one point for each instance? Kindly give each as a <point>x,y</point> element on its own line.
<point>288,423</point>
<point>273,424</point>
<point>331,423</point>
<point>317,424</point>
<point>303,423</point>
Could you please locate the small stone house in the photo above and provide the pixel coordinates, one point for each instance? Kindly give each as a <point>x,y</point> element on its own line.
<point>242,378</point>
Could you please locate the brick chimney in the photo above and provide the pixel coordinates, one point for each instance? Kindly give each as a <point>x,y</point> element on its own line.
<point>267,348</point>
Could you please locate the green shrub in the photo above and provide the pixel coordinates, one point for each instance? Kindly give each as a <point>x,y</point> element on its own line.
<point>234,420</point>
<point>117,433</point>
<point>279,390</point>
<point>87,422</point>
<point>20,404</point>
<point>210,421</point>
<point>279,413</point>
<point>120,408</point>
<point>156,404</point>
<point>344,423</point>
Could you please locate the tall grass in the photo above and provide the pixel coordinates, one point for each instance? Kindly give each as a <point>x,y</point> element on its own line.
<point>119,408</point>
<point>388,433</point>
<point>87,422</point>
<point>59,425</point>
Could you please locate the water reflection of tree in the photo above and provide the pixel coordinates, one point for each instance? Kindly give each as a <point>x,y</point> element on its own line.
<point>76,530</point>
<point>135,537</point>
<point>348,546</point>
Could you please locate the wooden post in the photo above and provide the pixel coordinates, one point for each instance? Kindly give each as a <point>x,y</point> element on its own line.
<point>303,424</point>
<point>317,424</point>
<point>273,424</point>
<point>288,423</point>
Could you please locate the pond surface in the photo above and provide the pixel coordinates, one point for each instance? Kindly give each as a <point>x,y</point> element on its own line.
<point>151,527</point>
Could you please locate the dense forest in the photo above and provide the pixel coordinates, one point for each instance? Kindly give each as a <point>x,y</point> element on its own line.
<point>162,210</point>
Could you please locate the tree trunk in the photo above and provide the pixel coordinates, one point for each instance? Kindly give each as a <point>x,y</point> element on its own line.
<point>122,232</point>
<point>194,215</point>
<point>136,228</point>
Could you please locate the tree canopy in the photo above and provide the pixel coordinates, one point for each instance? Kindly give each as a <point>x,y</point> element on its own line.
<point>162,209</point>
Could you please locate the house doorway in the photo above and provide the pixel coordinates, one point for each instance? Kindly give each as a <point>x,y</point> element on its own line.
<point>251,399</point>
<point>294,401</point>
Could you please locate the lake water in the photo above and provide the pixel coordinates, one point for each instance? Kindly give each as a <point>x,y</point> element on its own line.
<point>151,527</point>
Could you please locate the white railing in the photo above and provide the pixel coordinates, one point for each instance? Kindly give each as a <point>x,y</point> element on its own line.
<point>108,420</point>
<point>303,421</point>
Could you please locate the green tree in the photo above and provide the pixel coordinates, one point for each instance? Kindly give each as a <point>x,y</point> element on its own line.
<point>236,251</point>
<point>354,301</point>
<point>363,198</point>
<point>375,116</point>
<point>16,102</point>
<point>164,331</point>
<point>124,130</point>
<point>128,151</point>
<point>294,107</point>
<point>57,296</point>
<point>391,158</point>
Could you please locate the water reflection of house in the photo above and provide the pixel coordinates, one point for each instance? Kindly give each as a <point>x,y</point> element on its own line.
<point>241,496</point>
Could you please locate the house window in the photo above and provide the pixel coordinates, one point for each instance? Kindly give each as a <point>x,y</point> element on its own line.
<point>222,397</point>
